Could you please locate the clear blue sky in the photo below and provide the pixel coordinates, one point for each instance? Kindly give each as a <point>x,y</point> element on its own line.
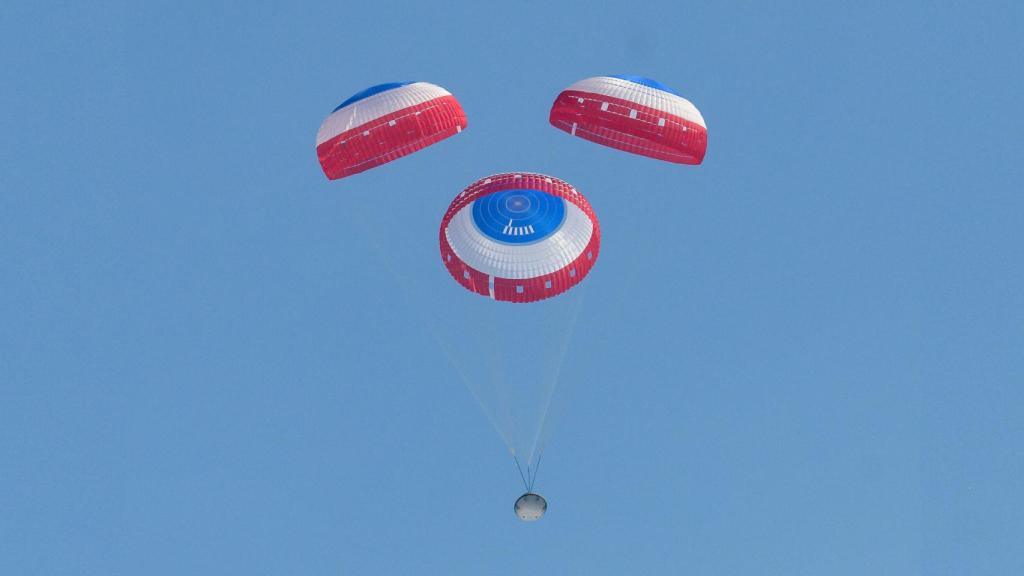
<point>804,357</point>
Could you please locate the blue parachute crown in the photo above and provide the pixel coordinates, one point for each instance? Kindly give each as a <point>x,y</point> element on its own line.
<point>645,81</point>
<point>520,216</point>
<point>370,92</point>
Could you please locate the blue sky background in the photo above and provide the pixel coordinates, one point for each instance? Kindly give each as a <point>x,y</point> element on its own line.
<point>805,356</point>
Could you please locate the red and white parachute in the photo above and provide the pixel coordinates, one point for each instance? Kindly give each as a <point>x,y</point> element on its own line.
<point>634,114</point>
<point>519,237</point>
<point>384,123</point>
<point>524,238</point>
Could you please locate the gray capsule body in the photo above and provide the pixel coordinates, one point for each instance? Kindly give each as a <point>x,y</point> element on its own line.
<point>530,507</point>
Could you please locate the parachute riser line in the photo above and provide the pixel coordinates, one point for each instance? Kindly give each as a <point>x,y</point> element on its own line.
<point>521,475</point>
<point>533,479</point>
<point>421,315</point>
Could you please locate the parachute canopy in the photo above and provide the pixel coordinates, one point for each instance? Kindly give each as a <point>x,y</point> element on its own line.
<point>383,123</point>
<point>519,237</point>
<point>634,114</point>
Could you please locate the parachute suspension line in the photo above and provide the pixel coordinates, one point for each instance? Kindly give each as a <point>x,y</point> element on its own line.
<point>472,390</point>
<point>382,256</point>
<point>539,438</point>
<point>535,470</point>
<point>468,383</point>
<point>494,381</point>
<point>521,475</point>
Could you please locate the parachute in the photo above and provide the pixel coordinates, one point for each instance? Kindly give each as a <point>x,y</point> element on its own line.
<point>384,123</point>
<point>634,114</point>
<point>519,237</point>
